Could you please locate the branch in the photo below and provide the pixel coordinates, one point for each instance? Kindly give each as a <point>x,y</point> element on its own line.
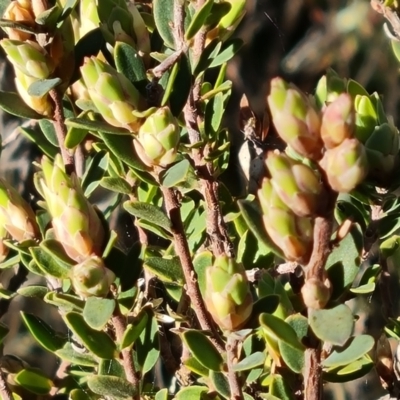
<point>119,323</point>
<point>182,250</point>
<point>315,269</point>
<point>216,228</point>
<point>61,131</point>
<point>231,358</point>
<point>389,14</point>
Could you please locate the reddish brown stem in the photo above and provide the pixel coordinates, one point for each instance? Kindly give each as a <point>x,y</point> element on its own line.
<point>119,323</point>
<point>231,359</point>
<point>316,270</point>
<point>182,250</point>
<point>61,131</point>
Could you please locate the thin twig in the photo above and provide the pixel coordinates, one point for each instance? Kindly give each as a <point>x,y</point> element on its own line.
<point>231,359</point>
<point>119,323</point>
<point>216,229</point>
<point>315,269</point>
<point>164,66</point>
<point>5,392</point>
<point>61,131</point>
<point>182,250</point>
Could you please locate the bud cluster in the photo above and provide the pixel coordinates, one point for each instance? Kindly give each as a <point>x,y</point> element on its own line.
<point>348,136</point>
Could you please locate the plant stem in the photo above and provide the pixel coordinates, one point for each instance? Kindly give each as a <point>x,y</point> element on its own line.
<point>231,358</point>
<point>216,229</point>
<point>5,392</point>
<point>119,323</point>
<point>315,269</point>
<point>182,250</point>
<point>61,131</point>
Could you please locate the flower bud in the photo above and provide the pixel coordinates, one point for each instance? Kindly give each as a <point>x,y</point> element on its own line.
<point>19,11</point>
<point>346,166</point>
<point>92,278</point>
<point>296,184</point>
<point>112,93</point>
<point>338,121</point>
<point>329,87</point>
<point>291,233</point>
<point>316,294</point>
<point>295,118</point>
<point>16,216</point>
<point>75,222</point>
<point>158,138</point>
<point>228,296</point>
<point>42,105</point>
<point>28,57</point>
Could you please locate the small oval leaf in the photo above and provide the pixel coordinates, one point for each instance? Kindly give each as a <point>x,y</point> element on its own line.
<point>203,350</point>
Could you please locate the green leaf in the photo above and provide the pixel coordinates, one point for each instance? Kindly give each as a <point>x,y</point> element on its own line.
<point>57,252</point>
<point>196,367</point>
<point>149,212</point>
<point>49,17</point>
<point>42,86</point>
<point>130,64</point>
<point>203,350</point>
<point>134,330</point>
<point>198,19</point>
<point>250,362</point>
<point>111,386</point>
<point>280,330</point>
<point>192,393</point>
<point>166,269</point>
<point>75,136</point>
<point>163,12</point>
<point>181,87</point>
<point>98,311</point>
<point>42,332</point>
<point>334,325</point>
<point>48,264</point>
<point>98,342</point>
<point>36,136</point>
<point>147,346</point>
<point>34,381</point>
<point>180,174</point>
<point>67,353</point>
<point>66,302</point>
<point>280,388</point>
<point>359,346</point>
<point>207,56</point>
<point>94,172</point>
<point>200,263</point>
<point>96,126</point>
<point>214,113</point>
<point>161,395</point>
<point>294,358</point>
<point>344,261</point>
<point>116,184</point>
<point>12,104</point>
<point>353,371</point>
<point>33,291</point>
<point>228,51</point>
<point>111,367</point>
<point>220,383</point>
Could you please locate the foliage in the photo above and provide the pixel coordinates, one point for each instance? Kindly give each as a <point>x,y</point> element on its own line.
<point>221,296</point>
